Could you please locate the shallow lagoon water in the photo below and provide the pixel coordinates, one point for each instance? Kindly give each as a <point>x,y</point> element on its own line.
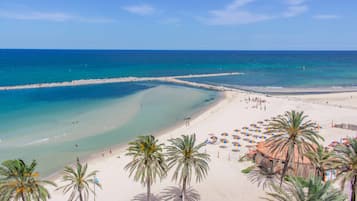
<point>46,124</point>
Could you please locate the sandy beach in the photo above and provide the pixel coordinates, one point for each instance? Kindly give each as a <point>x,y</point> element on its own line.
<point>225,180</point>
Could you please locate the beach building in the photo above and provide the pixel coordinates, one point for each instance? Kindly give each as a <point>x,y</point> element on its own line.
<point>300,166</point>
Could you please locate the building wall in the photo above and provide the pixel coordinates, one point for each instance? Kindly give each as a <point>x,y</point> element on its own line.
<point>296,169</point>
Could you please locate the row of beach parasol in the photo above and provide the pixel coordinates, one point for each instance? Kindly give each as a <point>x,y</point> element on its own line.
<point>251,134</point>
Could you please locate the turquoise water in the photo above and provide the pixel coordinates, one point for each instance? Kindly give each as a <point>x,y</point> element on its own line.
<point>46,124</point>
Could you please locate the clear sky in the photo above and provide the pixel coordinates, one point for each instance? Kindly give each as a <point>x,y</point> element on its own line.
<point>179,24</point>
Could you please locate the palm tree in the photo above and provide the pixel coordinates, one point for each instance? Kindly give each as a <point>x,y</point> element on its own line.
<point>347,165</point>
<point>147,162</point>
<point>298,189</point>
<point>186,156</point>
<point>79,182</point>
<point>293,134</point>
<point>20,181</point>
<point>263,176</point>
<point>321,160</point>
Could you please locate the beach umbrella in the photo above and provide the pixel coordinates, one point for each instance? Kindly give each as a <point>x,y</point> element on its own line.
<point>223,146</point>
<point>260,122</point>
<point>236,130</point>
<point>236,137</point>
<point>245,128</point>
<point>235,150</point>
<point>225,141</point>
<point>224,134</point>
<point>212,140</point>
<point>236,146</point>
<point>236,143</point>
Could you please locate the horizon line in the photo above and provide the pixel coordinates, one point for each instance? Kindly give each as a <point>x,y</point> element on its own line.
<point>246,50</point>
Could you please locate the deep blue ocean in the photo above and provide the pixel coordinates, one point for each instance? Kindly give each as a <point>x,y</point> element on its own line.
<point>261,68</point>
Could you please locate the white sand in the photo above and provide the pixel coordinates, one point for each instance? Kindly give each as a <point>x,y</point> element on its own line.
<point>346,99</point>
<point>225,180</point>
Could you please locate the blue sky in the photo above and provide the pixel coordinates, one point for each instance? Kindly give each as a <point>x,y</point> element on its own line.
<point>179,24</point>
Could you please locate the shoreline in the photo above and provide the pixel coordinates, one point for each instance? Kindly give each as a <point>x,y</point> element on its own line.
<point>280,91</point>
<point>224,115</point>
<point>120,148</point>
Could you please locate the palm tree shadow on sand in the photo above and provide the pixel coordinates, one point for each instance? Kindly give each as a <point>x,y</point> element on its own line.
<point>173,193</point>
<point>263,176</point>
<point>142,197</point>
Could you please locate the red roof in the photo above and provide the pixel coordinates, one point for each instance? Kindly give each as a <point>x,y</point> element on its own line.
<point>266,151</point>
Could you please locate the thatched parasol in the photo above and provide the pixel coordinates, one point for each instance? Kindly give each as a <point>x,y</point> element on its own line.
<point>224,134</point>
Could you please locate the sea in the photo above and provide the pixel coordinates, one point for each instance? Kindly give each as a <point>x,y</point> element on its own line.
<point>57,124</point>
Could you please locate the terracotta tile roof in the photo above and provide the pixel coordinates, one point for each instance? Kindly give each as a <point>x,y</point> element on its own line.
<point>265,150</point>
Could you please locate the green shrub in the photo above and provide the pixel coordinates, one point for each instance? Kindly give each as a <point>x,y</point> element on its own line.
<point>248,169</point>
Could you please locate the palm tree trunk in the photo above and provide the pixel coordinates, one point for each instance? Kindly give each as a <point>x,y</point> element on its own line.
<point>148,190</point>
<point>353,193</point>
<point>319,172</point>
<point>286,164</point>
<point>183,193</point>
<point>323,175</point>
<point>80,195</point>
<point>23,197</point>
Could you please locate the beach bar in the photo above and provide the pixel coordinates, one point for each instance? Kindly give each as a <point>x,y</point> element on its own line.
<point>300,166</point>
